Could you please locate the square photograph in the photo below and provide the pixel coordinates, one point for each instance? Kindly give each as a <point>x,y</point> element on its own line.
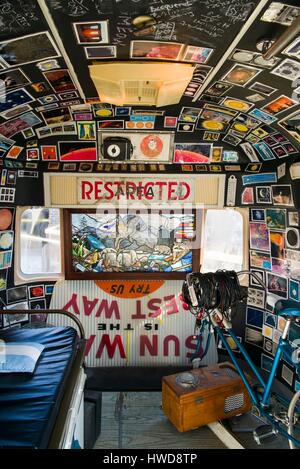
<point>241,75</point>
<point>155,50</point>
<point>91,32</point>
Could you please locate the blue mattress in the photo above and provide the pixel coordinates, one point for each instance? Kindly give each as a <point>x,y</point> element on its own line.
<point>29,404</point>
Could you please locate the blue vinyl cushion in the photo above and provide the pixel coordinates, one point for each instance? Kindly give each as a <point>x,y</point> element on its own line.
<point>29,403</point>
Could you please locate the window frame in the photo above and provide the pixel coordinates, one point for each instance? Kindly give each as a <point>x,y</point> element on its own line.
<point>70,274</point>
<point>20,277</point>
<point>244,212</point>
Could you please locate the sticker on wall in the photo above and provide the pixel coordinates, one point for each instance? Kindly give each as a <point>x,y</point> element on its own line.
<point>291,125</point>
<point>86,130</point>
<point>241,75</point>
<point>100,52</point>
<point>282,195</point>
<point>262,260</point>
<point>219,88</point>
<point>288,68</point>
<point>155,50</point>
<point>256,298</point>
<point>277,285</point>
<point>276,218</point>
<point>280,13</point>
<point>170,121</point>
<point>266,363</point>
<point>294,290</point>
<point>281,104</point>
<point>192,153</point>
<point>254,318</point>
<point>237,104</point>
<point>253,58</point>
<point>262,88</point>
<point>292,237</point>
<point>91,32</point>
<point>110,124</point>
<point>287,374</point>
<point>77,151</point>
<point>28,49</point>
<point>293,218</point>
<point>253,337</point>
<point>197,54</point>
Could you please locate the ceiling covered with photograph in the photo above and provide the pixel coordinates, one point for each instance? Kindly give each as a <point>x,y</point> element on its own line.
<point>87,83</point>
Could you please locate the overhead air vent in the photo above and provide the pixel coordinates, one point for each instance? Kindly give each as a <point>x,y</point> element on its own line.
<point>143,83</point>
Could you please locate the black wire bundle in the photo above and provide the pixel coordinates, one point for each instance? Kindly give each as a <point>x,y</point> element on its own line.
<point>213,290</point>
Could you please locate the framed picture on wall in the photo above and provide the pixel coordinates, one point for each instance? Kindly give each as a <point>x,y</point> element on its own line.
<point>130,244</point>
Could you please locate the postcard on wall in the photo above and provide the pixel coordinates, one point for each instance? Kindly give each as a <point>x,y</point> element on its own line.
<point>288,68</point>
<point>28,49</point>
<point>241,75</point>
<point>192,153</point>
<point>60,80</point>
<point>137,146</point>
<point>281,13</point>
<point>91,32</point>
<point>155,50</point>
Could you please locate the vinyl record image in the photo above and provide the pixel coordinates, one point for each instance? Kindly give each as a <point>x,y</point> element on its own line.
<point>151,146</point>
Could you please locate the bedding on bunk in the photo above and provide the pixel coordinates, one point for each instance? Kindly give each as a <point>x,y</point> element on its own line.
<point>29,403</point>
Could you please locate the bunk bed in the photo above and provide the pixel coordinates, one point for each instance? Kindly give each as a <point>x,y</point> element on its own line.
<point>44,409</point>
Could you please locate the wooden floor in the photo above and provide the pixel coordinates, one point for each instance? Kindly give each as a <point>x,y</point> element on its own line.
<point>135,420</point>
<point>139,422</point>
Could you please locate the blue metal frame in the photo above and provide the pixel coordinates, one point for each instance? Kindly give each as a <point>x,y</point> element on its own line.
<point>261,402</point>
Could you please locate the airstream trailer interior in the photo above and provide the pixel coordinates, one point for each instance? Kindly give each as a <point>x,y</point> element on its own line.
<point>149,225</point>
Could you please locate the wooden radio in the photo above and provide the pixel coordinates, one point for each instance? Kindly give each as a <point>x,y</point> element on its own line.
<point>204,395</point>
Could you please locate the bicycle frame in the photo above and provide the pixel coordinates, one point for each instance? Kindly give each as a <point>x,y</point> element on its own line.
<point>261,402</point>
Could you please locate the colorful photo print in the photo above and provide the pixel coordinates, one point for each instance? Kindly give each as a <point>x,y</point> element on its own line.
<point>122,111</point>
<point>254,318</point>
<point>259,236</point>
<point>258,214</point>
<point>110,124</point>
<point>262,116</point>
<point>6,218</point>
<point>36,291</point>
<point>155,50</point>
<point>280,13</point>
<point>77,151</point>
<point>60,80</point>
<point>86,130</point>
<point>253,337</point>
<point>280,104</point>
<point>262,88</point>
<point>103,110</point>
<point>49,153</point>
<point>57,116</point>
<point>218,88</point>
<point>192,153</point>
<point>6,240</point>
<point>248,196</point>
<point>282,195</point>
<point>94,32</point>
<point>288,68</point>
<point>100,52</point>
<point>261,260</point>
<point>293,50</point>
<point>12,79</point>
<point>277,285</point>
<point>189,114</point>
<point>197,54</point>
<point>241,75</point>
<point>5,259</point>
<point>279,267</point>
<point>28,49</point>
<point>276,218</point>
<point>277,243</point>
<point>237,104</point>
<point>14,99</point>
<point>294,290</point>
<point>293,218</point>
<point>264,151</point>
<point>253,58</point>
<point>291,124</point>
<point>216,155</point>
<point>230,342</point>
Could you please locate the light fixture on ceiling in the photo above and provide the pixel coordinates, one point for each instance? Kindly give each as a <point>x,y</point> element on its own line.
<point>141,83</point>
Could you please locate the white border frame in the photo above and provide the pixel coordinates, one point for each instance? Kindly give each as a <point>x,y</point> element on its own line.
<point>58,54</point>
<point>114,50</point>
<point>104,29</point>
<point>132,43</point>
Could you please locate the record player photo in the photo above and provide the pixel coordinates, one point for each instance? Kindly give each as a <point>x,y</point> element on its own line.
<point>136,146</point>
